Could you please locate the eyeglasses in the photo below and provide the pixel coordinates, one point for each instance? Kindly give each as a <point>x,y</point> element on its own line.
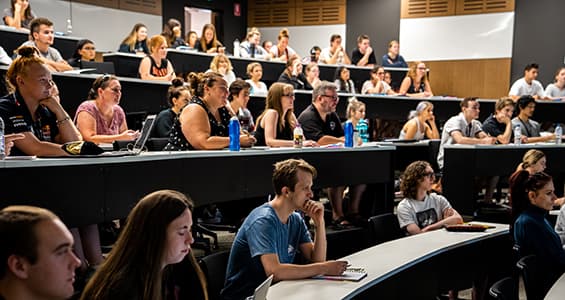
<point>430,175</point>
<point>334,98</point>
<point>288,95</point>
<point>89,48</point>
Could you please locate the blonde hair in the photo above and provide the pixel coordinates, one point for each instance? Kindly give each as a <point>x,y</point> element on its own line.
<point>252,66</point>
<point>28,56</point>
<point>216,61</point>
<point>353,106</point>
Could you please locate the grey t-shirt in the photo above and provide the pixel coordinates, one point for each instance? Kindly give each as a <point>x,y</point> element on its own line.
<point>422,213</point>
<point>51,54</point>
<point>552,91</point>
<point>529,129</point>
<point>25,23</point>
<point>457,123</point>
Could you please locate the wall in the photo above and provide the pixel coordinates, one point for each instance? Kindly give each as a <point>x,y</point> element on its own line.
<point>538,37</point>
<point>107,27</point>
<point>379,19</point>
<point>233,26</point>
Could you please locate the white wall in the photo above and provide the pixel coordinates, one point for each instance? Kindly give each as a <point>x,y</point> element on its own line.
<point>303,38</point>
<point>105,26</point>
<point>457,37</point>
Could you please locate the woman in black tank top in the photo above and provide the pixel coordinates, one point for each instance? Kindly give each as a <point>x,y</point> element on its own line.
<point>203,123</point>
<point>416,83</point>
<point>156,66</point>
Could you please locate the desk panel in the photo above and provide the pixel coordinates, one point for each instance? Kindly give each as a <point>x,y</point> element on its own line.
<point>93,190</point>
<point>464,162</point>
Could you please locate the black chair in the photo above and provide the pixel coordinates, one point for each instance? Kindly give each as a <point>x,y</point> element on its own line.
<point>504,289</point>
<point>538,279</point>
<point>384,228</point>
<point>214,267</point>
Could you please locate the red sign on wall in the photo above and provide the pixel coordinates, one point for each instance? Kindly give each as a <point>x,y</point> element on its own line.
<point>237,9</point>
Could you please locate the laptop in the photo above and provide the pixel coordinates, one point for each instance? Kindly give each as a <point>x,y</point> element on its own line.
<point>97,67</point>
<point>139,145</point>
<point>262,290</point>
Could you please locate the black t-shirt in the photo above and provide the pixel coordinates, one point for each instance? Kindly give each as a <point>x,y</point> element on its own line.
<point>356,56</point>
<point>315,128</point>
<point>164,123</point>
<point>17,119</point>
<point>494,128</point>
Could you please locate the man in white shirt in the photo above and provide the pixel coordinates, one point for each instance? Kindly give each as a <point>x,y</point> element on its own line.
<point>527,85</point>
<point>251,48</point>
<point>335,54</point>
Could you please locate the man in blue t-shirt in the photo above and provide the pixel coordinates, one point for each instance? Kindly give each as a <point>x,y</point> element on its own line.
<point>273,233</point>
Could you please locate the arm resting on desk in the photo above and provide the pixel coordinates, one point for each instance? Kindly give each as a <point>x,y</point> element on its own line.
<point>30,145</point>
<point>450,217</point>
<point>280,271</point>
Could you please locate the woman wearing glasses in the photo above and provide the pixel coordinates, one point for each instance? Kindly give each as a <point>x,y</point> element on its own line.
<point>421,211</point>
<point>85,51</point>
<point>276,124</point>
<point>100,119</point>
<point>377,84</point>
<point>416,83</point>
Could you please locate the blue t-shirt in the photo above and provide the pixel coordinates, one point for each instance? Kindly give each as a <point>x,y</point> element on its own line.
<point>261,233</point>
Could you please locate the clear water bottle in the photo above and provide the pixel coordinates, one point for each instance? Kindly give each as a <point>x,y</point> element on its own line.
<point>236,48</point>
<point>558,133</point>
<point>517,135</point>
<point>234,133</point>
<point>69,27</point>
<point>363,129</point>
<point>2,153</point>
<point>348,129</point>
<point>298,136</point>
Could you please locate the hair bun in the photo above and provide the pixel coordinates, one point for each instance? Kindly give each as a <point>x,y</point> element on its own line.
<point>27,51</point>
<point>177,82</point>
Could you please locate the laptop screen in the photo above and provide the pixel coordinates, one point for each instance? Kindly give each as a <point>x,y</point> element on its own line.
<point>262,290</point>
<point>99,67</point>
<point>144,135</point>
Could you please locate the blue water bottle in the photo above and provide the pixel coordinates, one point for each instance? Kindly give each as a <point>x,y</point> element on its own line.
<point>348,128</point>
<point>363,128</point>
<point>234,134</point>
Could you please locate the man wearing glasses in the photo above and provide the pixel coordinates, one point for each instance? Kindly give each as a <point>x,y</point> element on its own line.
<point>320,123</point>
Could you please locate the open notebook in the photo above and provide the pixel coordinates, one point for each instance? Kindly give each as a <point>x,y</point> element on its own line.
<point>350,274</point>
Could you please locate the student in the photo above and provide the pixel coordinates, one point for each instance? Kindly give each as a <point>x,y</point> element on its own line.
<point>5,59</point>
<point>221,64</point>
<point>209,42</point>
<point>251,47</point>
<point>556,90</point>
<point>156,66</point>
<point>282,52</point>
<point>255,72</point>
<point>191,39</point>
<point>335,54</point>
<point>343,80</point>
<point>85,51</point>
<point>422,125</point>
<point>363,55</point>
<point>532,197</point>
<point>293,75</point>
<point>44,122</point>
<point>19,14</point>
<point>560,225</point>
<point>377,84</point>
<point>464,128</point>
<point>530,129</point>
<point>42,37</point>
<point>238,99</point>
<point>136,41</point>
<point>527,85</point>
<point>37,255</point>
<point>172,33</point>
<point>393,58</point>
<point>312,74</point>
<point>421,211</point>
<point>273,233</point>
<point>416,83</point>
<point>157,234</point>
<point>499,124</point>
<point>100,119</point>
<point>178,96</point>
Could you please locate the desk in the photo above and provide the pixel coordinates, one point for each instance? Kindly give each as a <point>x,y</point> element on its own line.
<point>93,190</point>
<point>125,64</point>
<point>13,38</point>
<point>406,153</point>
<point>388,265</point>
<point>464,162</point>
<point>557,291</point>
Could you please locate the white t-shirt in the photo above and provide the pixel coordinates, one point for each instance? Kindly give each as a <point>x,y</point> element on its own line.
<point>260,89</point>
<point>422,213</point>
<point>457,123</point>
<point>521,88</point>
<point>552,91</point>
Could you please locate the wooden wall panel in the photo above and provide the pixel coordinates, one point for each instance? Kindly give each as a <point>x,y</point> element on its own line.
<point>426,8</point>
<point>465,7</point>
<point>484,78</point>
<point>264,13</point>
<point>153,7</point>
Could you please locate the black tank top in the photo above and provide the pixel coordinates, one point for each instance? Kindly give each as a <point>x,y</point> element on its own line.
<point>284,134</point>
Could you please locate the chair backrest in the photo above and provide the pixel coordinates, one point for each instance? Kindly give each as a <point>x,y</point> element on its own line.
<point>214,267</point>
<point>537,278</point>
<point>384,228</point>
<point>504,289</point>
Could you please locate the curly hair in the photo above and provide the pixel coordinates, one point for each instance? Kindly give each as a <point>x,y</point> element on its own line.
<point>412,177</point>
